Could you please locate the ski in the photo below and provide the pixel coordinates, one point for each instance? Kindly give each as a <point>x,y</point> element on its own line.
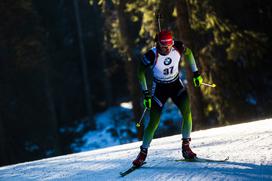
<point>131,169</point>
<point>197,159</point>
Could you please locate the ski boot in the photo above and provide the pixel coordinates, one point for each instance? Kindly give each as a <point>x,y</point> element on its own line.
<point>139,161</point>
<point>187,153</point>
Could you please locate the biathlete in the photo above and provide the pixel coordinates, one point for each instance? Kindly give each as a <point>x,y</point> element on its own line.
<point>164,60</point>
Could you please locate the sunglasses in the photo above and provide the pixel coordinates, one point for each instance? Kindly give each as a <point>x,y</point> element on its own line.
<point>166,46</point>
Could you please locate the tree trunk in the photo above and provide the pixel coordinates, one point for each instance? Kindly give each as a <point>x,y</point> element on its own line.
<point>131,64</point>
<point>106,72</point>
<point>53,121</point>
<point>3,145</point>
<point>106,78</point>
<point>84,68</point>
<point>185,34</point>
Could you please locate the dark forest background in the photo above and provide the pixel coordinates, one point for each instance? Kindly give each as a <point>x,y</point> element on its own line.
<point>63,61</point>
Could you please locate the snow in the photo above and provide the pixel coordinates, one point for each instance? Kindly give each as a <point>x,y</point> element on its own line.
<point>248,145</point>
<point>114,127</point>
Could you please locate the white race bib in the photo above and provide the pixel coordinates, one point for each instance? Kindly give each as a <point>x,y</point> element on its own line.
<point>166,67</point>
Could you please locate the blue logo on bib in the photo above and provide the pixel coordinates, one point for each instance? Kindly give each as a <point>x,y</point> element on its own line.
<point>167,61</point>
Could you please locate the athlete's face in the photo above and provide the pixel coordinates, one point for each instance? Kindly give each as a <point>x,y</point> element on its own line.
<point>165,49</point>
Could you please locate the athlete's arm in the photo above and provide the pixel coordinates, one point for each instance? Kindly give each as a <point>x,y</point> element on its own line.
<point>190,59</point>
<point>141,76</point>
<point>146,62</point>
<point>197,78</point>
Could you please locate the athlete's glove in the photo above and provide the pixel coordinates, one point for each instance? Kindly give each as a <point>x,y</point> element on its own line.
<point>197,79</point>
<point>147,99</point>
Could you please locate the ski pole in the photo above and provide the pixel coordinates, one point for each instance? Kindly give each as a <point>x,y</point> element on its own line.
<point>209,85</point>
<point>139,122</point>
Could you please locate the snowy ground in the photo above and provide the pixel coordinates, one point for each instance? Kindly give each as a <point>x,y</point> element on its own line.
<point>248,145</point>
<point>114,127</point>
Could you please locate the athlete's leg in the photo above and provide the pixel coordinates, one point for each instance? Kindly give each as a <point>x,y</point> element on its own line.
<point>149,131</point>
<point>183,103</point>
<point>155,114</point>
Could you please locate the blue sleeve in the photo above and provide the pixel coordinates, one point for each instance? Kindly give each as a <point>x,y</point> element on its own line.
<point>148,58</point>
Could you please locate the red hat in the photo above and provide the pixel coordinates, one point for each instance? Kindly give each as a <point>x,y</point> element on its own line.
<point>165,38</point>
